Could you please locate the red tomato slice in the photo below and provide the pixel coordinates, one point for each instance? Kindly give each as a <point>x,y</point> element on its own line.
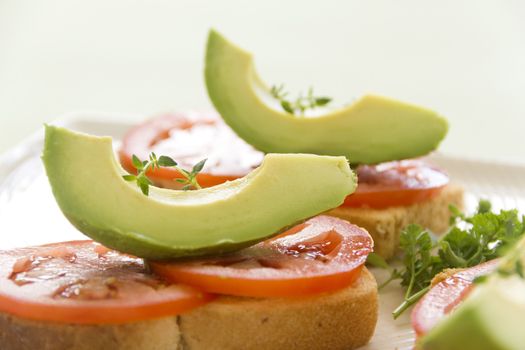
<point>399,183</point>
<point>323,254</point>
<point>446,296</point>
<point>188,138</point>
<point>82,282</point>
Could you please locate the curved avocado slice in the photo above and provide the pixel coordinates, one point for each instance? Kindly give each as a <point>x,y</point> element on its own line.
<point>491,317</point>
<point>87,183</point>
<point>373,129</point>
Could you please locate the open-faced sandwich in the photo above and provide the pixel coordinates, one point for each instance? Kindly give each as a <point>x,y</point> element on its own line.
<point>227,292</point>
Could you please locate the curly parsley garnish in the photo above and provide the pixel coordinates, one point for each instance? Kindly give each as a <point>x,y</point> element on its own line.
<point>471,241</point>
<point>301,103</point>
<point>143,166</point>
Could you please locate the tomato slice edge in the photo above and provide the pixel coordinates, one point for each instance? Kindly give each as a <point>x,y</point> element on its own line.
<point>169,301</point>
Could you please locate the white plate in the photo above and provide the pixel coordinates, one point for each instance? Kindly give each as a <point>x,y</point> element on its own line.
<point>30,216</point>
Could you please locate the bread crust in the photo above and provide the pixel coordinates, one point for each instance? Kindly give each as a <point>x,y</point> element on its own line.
<point>385,225</point>
<point>345,319</point>
<point>20,334</point>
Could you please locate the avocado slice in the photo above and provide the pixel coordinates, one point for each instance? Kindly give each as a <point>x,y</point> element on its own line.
<point>373,129</point>
<point>87,183</point>
<point>491,318</point>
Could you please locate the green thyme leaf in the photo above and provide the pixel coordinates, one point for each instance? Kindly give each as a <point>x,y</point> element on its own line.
<point>137,163</point>
<point>287,106</point>
<point>166,161</point>
<point>129,177</point>
<point>143,185</point>
<point>198,167</point>
<point>322,101</point>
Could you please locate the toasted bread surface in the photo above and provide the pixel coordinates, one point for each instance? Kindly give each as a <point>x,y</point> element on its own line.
<point>345,319</point>
<point>385,225</point>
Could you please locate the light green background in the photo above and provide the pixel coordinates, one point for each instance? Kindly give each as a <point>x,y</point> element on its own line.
<point>465,59</point>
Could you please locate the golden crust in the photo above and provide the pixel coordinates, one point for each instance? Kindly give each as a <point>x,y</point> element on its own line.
<point>21,334</point>
<point>385,225</point>
<point>345,319</point>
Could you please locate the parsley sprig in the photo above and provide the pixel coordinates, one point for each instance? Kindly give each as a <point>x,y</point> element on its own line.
<point>471,241</point>
<point>143,166</point>
<point>301,103</point>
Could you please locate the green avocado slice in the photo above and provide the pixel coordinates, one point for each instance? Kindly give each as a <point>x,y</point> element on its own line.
<point>373,129</point>
<point>491,317</point>
<point>87,183</point>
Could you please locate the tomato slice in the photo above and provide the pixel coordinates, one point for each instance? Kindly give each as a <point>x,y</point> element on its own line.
<point>323,254</point>
<point>445,296</point>
<point>190,137</point>
<point>399,183</point>
<point>82,282</point>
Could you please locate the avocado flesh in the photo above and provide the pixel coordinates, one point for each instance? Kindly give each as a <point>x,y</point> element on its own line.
<point>374,129</point>
<point>87,183</point>
<point>491,317</point>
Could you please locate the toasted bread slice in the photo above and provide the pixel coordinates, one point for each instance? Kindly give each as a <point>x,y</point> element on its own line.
<point>385,225</point>
<point>344,319</point>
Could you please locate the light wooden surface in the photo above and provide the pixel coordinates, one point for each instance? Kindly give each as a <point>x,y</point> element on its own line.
<point>462,58</point>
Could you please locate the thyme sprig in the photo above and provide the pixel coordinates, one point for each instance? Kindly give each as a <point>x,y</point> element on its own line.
<point>301,103</point>
<point>143,166</point>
